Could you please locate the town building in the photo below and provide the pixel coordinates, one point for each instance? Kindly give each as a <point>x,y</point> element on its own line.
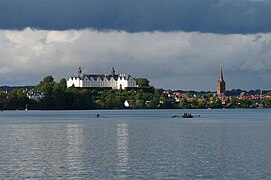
<point>221,85</point>
<point>114,81</point>
<point>37,96</point>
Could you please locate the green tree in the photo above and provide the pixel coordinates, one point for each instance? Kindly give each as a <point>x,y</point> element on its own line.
<point>142,82</point>
<point>63,84</point>
<point>79,98</point>
<point>59,97</point>
<point>266,103</point>
<point>244,103</point>
<point>140,104</point>
<point>201,103</point>
<point>47,87</point>
<point>17,99</point>
<point>233,102</point>
<point>184,104</point>
<point>215,102</point>
<point>3,99</point>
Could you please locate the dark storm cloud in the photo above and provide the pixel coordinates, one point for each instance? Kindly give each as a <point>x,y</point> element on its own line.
<point>217,16</point>
<point>147,38</point>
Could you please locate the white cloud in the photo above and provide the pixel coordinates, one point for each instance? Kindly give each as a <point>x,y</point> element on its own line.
<point>176,60</point>
<point>5,70</point>
<point>61,37</point>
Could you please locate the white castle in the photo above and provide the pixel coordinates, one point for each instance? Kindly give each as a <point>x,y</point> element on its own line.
<point>112,80</point>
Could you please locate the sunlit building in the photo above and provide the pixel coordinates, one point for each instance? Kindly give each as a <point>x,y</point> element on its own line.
<point>114,81</point>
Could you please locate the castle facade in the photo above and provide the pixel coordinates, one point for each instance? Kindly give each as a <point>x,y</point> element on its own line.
<point>114,81</point>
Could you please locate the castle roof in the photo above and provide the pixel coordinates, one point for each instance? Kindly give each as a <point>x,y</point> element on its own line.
<point>102,77</point>
<point>106,76</point>
<point>114,76</point>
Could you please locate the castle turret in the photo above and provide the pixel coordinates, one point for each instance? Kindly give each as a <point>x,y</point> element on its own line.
<point>113,72</point>
<point>79,73</point>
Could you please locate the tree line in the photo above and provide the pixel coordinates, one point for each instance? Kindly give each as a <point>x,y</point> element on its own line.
<point>58,97</point>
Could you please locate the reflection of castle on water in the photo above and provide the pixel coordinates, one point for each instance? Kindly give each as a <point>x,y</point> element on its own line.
<point>122,150</point>
<point>74,151</point>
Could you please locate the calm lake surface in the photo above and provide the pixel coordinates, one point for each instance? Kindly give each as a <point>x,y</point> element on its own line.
<point>135,144</point>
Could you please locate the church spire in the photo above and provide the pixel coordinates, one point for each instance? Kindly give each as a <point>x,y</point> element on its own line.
<point>221,85</point>
<point>221,74</point>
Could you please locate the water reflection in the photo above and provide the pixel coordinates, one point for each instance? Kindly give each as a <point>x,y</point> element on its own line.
<point>218,146</point>
<point>122,150</point>
<point>74,154</point>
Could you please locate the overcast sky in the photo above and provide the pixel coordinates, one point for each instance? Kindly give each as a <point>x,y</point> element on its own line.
<point>176,44</point>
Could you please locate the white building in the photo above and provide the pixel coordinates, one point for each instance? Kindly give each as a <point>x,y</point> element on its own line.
<point>37,96</point>
<point>112,80</point>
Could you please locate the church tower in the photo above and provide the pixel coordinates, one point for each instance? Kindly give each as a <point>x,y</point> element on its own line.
<point>221,85</point>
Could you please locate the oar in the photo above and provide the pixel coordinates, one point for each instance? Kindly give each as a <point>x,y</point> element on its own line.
<point>175,116</point>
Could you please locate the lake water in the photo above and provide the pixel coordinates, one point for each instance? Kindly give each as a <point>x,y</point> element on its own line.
<point>135,144</point>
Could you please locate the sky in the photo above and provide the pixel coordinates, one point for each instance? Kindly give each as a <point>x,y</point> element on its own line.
<point>176,44</point>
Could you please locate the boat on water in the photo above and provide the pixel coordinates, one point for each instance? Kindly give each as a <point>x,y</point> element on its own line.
<point>185,115</point>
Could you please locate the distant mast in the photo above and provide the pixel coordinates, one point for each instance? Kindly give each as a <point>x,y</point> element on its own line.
<point>221,85</point>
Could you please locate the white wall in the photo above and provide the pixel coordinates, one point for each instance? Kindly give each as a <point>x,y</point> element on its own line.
<point>77,82</point>
<point>86,82</point>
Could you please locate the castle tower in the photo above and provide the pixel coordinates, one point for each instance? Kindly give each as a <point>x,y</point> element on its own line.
<point>221,85</point>
<point>79,73</point>
<point>113,72</point>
